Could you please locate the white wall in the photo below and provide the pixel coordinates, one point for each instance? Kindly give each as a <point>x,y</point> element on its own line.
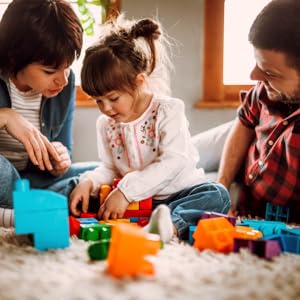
<point>183,21</point>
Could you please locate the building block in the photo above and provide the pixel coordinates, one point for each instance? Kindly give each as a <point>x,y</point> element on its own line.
<point>215,234</point>
<point>99,250</point>
<point>290,243</point>
<point>133,206</point>
<point>276,213</point>
<point>245,232</point>
<point>128,248</point>
<point>88,215</point>
<point>266,227</point>
<point>95,232</point>
<point>87,220</point>
<point>291,231</point>
<point>192,229</point>
<point>104,191</point>
<point>262,248</point>
<point>208,215</point>
<point>74,226</point>
<point>41,213</point>
<point>114,222</point>
<point>137,213</point>
<point>146,204</point>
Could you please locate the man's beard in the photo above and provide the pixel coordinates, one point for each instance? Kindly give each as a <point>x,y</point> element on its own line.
<point>280,97</point>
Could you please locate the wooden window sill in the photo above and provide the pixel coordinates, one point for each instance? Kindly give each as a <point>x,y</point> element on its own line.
<point>210,104</point>
<point>84,100</point>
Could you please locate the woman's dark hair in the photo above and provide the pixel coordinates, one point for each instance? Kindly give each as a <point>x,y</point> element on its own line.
<point>120,55</point>
<point>277,27</point>
<point>38,31</point>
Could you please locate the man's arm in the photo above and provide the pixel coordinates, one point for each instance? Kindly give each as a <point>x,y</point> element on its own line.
<point>234,152</point>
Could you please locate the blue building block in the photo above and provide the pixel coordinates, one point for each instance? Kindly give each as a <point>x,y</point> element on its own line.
<point>277,213</point>
<point>288,242</point>
<point>41,213</point>
<point>266,227</point>
<point>87,221</point>
<point>192,229</point>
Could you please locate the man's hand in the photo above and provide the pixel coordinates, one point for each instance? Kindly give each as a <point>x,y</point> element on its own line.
<point>114,206</point>
<point>62,166</point>
<point>36,144</point>
<point>81,193</point>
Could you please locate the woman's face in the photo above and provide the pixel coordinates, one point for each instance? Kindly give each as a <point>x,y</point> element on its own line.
<point>43,79</point>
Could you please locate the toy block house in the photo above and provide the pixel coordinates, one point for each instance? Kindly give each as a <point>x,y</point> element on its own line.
<point>43,214</point>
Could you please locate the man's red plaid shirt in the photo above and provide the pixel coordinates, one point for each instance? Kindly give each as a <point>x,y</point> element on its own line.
<point>272,169</point>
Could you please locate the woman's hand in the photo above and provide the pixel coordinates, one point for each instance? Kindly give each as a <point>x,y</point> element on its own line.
<point>81,193</point>
<point>114,206</point>
<point>62,166</point>
<point>36,144</point>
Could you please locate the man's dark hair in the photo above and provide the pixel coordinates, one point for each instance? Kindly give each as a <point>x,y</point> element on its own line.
<point>277,28</point>
<point>38,31</point>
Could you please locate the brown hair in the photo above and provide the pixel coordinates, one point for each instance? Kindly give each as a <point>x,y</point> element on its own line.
<point>277,27</point>
<point>38,31</point>
<point>124,50</point>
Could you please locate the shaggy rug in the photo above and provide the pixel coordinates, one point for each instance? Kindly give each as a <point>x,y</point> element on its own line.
<point>182,272</point>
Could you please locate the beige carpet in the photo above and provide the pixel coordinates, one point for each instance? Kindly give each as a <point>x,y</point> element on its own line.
<point>181,273</point>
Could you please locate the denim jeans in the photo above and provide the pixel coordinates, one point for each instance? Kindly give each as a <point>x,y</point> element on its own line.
<point>38,179</point>
<point>188,205</point>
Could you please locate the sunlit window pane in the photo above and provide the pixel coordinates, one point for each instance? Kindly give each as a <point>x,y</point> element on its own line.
<point>238,53</point>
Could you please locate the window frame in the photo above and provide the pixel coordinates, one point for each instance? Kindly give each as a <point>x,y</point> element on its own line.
<point>82,99</point>
<point>215,93</point>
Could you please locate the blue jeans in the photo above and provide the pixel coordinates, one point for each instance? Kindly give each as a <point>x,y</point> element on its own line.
<point>38,179</point>
<point>188,205</point>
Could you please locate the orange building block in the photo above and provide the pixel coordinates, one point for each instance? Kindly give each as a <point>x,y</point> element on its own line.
<point>105,189</point>
<point>245,232</point>
<point>215,234</point>
<point>134,206</point>
<point>128,247</point>
<point>114,222</point>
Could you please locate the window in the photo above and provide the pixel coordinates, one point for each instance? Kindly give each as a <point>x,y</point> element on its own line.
<point>81,98</point>
<point>226,29</point>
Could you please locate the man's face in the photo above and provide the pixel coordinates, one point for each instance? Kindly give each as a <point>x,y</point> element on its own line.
<point>281,81</point>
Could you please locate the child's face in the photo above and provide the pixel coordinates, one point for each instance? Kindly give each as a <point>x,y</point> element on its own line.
<point>44,79</point>
<point>118,105</point>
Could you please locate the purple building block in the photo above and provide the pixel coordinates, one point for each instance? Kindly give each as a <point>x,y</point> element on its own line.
<point>209,214</point>
<point>262,248</point>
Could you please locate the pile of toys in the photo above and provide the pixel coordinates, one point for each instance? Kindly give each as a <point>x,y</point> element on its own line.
<point>124,244</point>
<point>44,215</point>
<point>264,238</point>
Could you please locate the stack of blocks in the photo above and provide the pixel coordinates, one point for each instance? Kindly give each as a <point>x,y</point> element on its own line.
<point>41,213</point>
<point>263,238</point>
<point>138,209</point>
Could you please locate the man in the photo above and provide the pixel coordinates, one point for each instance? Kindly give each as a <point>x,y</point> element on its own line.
<point>264,143</point>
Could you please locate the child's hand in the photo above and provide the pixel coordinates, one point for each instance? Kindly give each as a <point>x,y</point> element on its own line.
<point>61,166</point>
<point>114,206</point>
<point>81,193</point>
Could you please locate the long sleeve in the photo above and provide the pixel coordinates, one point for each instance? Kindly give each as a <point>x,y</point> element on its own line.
<point>106,172</point>
<point>174,167</point>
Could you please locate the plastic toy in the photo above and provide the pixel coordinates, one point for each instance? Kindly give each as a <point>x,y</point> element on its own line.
<point>215,234</point>
<point>41,213</point>
<point>276,213</point>
<point>208,215</point>
<point>127,251</point>
<point>262,248</point>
